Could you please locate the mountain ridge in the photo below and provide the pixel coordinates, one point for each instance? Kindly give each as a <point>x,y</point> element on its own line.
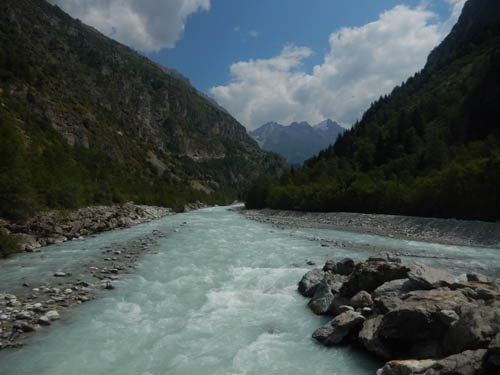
<point>297,141</point>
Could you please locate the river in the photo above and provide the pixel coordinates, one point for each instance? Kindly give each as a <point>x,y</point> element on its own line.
<point>217,296</point>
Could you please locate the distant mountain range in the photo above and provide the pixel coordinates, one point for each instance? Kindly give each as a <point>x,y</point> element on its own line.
<point>298,141</point>
<point>430,148</point>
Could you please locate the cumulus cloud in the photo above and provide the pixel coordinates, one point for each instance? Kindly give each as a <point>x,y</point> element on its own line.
<point>253,33</point>
<point>362,64</point>
<point>145,25</point>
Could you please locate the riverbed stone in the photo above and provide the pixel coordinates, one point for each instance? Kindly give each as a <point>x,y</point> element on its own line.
<point>477,326</point>
<point>43,320</point>
<point>362,299</point>
<point>321,302</point>
<point>424,277</point>
<point>368,337</point>
<point>52,315</point>
<point>310,281</point>
<point>476,276</point>
<point>343,325</point>
<point>24,315</point>
<point>369,276</point>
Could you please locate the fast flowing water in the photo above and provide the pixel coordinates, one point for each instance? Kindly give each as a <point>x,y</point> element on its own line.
<point>219,298</point>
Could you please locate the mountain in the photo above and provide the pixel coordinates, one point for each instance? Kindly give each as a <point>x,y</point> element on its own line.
<point>86,120</point>
<point>297,141</point>
<point>430,148</point>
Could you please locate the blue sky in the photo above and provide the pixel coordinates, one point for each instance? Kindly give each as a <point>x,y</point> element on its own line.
<point>280,60</point>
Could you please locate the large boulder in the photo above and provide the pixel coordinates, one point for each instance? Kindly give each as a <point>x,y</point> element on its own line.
<point>477,326</point>
<point>321,302</point>
<point>416,327</point>
<point>370,340</point>
<point>343,325</point>
<point>424,277</point>
<point>310,282</point>
<point>470,362</point>
<point>343,267</point>
<point>369,276</point>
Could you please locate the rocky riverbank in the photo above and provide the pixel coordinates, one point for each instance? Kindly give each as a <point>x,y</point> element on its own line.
<point>419,319</point>
<point>55,227</point>
<point>32,307</point>
<point>445,231</point>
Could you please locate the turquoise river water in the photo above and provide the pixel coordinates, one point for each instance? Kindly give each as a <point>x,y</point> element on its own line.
<point>219,298</point>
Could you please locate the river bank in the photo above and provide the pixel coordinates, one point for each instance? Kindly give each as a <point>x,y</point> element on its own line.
<point>27,306</point>
<point>53,227</point>
<point>444,231</point>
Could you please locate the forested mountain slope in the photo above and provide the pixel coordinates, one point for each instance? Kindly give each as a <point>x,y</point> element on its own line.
<point>430,148</point>
<point>85,120</point>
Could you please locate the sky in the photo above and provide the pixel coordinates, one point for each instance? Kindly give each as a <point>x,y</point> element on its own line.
<point>280,60</point>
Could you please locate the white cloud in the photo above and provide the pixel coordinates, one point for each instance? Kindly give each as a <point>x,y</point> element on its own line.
<point>362,64</point>
<point>236,29</point>
<point>253,33</point>
<point>145,25</point>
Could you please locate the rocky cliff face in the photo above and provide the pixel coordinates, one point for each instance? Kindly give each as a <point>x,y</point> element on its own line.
<point>101,96</point>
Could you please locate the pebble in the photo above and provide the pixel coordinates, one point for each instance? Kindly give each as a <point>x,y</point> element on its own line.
<point>52,315</point>
<point>44,320</point>
<point>60,274</point>
<point>24,315</point>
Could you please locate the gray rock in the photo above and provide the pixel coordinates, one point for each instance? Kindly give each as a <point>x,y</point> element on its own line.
<point>425,277</point>
<point>477,326</point>
<point>330,266</point>
<point>60,274</point>
<point>469,362</point>
<point>417,317</point>
<point>321,302</point>
<point>343,325</point>
<point>23,326</point>
<point>494,352</point>
<point>43,320</point>
<point>344,308</point>
<point>474,276</point>
<point>52,315</point>
<point>24,315</point>
<point>3,317</point>
<point>38,307</point>
<point>362,299</point>
<point>345,267</point>
<point>407,367</point>
<point>370,275</point>
<point>448,317</point>
<point>396,287</point>
<point>310,281</point>
<point>369,339</point>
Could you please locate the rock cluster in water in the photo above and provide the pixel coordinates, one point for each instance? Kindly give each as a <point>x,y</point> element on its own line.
<point>39,305</point>
<point>54,227</point>
<point>422,320</point>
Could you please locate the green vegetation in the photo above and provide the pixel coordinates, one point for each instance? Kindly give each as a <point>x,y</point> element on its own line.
<point>85,120</point>
<point>8,244</point>
<point>431,148</point>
